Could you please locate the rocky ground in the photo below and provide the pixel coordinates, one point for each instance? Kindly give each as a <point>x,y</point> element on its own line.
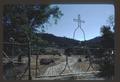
<point>55,71</point>
<point>77,71</point>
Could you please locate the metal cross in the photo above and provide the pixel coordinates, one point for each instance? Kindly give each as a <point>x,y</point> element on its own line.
<point>79,26</point>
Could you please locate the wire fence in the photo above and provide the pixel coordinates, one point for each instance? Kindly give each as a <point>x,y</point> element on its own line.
<point>16,66</point>
<point>15,59</point>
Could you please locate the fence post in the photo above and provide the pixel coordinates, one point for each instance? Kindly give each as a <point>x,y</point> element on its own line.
<point>29,60</point>
<point>36,65</point>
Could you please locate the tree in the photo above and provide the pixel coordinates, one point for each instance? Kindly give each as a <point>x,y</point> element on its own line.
<point>111,21</point>
<point>107,37</point>
<point>28,18</point>
<point>22,21</point>
<point>107,58</point>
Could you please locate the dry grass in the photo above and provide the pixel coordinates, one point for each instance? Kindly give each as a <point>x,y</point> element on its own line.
<point>58,59</point>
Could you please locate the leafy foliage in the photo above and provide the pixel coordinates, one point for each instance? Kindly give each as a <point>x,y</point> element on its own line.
<point>22,22</point>
<point>108,54</point>
<point>29,17</point>
<point>107,37</point>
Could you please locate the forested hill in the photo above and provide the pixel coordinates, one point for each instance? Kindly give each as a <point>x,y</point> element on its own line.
<point>59,41</point>
<point>66,42</point>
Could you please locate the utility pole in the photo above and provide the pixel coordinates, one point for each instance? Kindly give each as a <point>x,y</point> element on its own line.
<point>79,21</point>
<point>85,47</point>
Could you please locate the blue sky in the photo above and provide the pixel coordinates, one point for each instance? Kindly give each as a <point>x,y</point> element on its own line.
<point>94,16</point>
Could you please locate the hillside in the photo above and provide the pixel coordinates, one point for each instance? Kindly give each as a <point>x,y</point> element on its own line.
<point>59,41</point>
<point>67,42</point>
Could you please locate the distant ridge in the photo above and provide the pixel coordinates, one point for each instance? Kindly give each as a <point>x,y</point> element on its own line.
<point>66,42</point>
<point>59,41</point>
